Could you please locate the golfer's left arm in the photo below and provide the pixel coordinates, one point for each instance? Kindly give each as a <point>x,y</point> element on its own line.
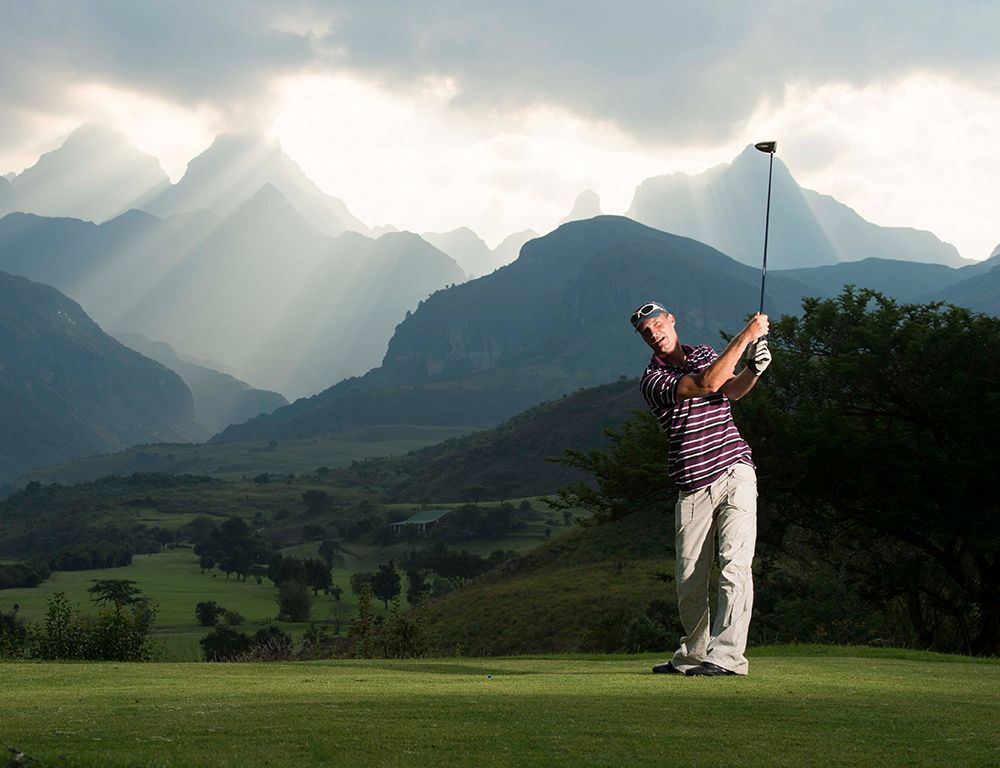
<point>758,358</point>
<point>739,385</point>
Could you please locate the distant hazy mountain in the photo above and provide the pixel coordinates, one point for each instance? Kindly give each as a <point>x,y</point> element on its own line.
<point>904,280</point>
<point>95,175</point>
<point>472,254</point>
<point>219,399</point>
<point>8,197</point>
<point>725,208</point>
<point>234,168</point>
<point>68,390</point>
<point>980,292</point>
<point>510,247</point>
<point>586,206</point>
<point>286,307</point>
<point>553,321</point>
<point>854,238</point>
<point>110,268</point>
<point>466,248</point>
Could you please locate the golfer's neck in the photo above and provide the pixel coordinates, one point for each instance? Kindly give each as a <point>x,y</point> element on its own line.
<point>675,356</point>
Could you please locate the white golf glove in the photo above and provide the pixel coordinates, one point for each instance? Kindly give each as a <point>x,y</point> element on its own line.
<point>758,357</point>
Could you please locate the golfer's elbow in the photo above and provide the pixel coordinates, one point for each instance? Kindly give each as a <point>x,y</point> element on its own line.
<point>706,384</point>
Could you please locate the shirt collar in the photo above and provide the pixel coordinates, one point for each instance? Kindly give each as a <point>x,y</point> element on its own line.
<point>659,362</point>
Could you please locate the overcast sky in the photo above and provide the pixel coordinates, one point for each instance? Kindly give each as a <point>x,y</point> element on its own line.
<point>436,114</point>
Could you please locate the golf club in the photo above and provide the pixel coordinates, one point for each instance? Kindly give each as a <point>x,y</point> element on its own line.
<point>770,147</point>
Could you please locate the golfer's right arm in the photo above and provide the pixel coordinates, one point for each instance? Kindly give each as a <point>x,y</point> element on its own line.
<point>712,379</point>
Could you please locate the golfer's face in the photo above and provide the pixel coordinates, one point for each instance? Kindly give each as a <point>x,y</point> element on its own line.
<point>659,333</point>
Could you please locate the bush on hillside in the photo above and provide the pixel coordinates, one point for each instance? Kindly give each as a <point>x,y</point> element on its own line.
<point>30,574</point>
<point>119,633</point>
<point>207,612</point>
<point>13,634</point>
<point>397,636</point>
<point>294,601</point>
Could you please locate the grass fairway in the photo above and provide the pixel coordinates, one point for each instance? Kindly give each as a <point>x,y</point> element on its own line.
<point>812,706</point>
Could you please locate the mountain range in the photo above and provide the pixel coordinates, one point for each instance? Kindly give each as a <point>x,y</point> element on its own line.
<point>234,168</point>
<point>472,254</point>
<point>550,323</point>
<point>95,175</point>
<point>69,390</point>
<point>219,399</point>
<point>245,260</point>
<point>287,307</point>
<point>725,207</point>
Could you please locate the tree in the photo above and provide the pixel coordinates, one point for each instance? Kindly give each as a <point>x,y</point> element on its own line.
<point>317,575</point>
<point>362,629</point>
<point>294,601</point>
<point>871,432</point>
<point>328,550</point>
<point>223,643</point>
<point>876,417</point>
<point>360,580</point>
<point>316,501</point>
<point>13,634</point>
<point>386,585</point>
<point>207,612</point>
<point>417,587</point>
<point>629,475</point>
<point>116,592</point>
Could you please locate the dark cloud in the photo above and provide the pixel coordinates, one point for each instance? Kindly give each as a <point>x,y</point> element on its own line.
<point>662,70</point>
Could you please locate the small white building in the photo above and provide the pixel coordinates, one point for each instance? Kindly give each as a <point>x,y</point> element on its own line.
<point>423,520</point>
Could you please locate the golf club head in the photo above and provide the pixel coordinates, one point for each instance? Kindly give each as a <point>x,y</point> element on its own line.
<point>766,146</point>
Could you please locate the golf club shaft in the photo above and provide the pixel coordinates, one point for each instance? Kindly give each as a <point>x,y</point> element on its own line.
<point>767,221</point>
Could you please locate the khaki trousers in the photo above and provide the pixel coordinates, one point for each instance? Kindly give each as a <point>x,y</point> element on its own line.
<point>728,508</point>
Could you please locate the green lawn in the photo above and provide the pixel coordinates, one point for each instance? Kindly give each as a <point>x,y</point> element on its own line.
<point>815,707</point>
<point>173,580</point>
<point>175,583</point>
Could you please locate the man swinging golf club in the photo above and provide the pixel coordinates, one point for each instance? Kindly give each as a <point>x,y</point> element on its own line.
<point>689,389</point>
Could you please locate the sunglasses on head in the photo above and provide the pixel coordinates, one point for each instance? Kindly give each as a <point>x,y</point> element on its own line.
<point>644,311</point>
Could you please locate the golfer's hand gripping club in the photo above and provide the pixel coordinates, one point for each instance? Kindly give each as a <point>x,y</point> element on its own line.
<point>758,356</point>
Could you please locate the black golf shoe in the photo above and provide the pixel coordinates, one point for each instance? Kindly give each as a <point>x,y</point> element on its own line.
<point>666,668</point>
<point>708,669</point>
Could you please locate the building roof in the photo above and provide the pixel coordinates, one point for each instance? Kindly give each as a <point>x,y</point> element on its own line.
<point>425,516</point>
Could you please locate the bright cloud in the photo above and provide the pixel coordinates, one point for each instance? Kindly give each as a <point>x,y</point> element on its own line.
<point>920,152</point>
<point>916,153</point>
<point>417,162</point>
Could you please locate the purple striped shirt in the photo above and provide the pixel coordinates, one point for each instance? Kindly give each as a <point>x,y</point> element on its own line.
<point>702,440</point>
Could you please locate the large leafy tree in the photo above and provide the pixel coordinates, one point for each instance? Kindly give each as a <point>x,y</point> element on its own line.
<point>873,436</point>
<point>876,424</point>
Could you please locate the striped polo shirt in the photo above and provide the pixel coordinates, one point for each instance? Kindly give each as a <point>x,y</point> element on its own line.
<point>702,440</point>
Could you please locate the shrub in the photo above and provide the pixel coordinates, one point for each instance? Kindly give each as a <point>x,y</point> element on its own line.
<point>224,643</point>
<point>119,633</point>
<point>13,635</point>
<point>294,601</point>
<point>207,612</point>
<point>232,618</point>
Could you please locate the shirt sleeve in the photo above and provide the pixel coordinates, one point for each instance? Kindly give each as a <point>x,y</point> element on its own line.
<point>659,388</point>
